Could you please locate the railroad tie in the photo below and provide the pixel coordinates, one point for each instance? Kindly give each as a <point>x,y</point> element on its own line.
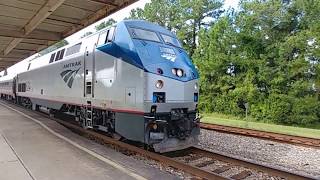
<point>242,175</point>
<point>222,169</point>
<point>204,164</point>
<point>191,158</point>
<point>196,178</point>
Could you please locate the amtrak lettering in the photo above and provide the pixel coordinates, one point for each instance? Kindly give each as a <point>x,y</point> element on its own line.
<point>69,74</point>
<point>73,64</point>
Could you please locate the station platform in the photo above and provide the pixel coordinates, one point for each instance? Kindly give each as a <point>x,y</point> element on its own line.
<point>33,147</point>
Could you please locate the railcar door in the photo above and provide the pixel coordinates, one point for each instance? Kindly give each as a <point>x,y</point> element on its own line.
<point>14,88</point>
<point>89,79</point>
<point>89,66</point>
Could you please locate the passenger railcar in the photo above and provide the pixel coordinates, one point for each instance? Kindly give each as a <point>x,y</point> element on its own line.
<point>132,80</point>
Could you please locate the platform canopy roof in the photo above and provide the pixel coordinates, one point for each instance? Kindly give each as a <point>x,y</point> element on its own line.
<point>28,26</point>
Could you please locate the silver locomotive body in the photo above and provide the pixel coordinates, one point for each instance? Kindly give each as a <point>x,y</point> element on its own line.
<point>132,80</point>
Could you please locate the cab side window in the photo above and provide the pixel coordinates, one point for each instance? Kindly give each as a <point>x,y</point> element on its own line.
<point>106,36</point>
<point>110,35</point>
<point>57,56</point>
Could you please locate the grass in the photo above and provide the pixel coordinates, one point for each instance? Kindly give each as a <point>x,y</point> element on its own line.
<point>232,121</point>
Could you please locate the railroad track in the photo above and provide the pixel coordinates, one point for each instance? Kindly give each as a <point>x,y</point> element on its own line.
<point>290,139</point>
<point>182,160</point>
<point>194,153</point>
<point>231,167</point>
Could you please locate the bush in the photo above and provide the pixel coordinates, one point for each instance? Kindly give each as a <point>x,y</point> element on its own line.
<point>304,111</point>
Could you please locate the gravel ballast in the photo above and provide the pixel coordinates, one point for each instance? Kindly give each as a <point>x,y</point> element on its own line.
<point>285,156</point>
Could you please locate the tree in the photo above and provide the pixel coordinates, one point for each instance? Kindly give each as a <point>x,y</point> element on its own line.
<point>105,24</point>
<point>136,14</point>
<point>267,55</point>
<point>195,15</point>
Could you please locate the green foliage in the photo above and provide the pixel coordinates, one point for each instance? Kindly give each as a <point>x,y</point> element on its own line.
<point>136,14</point>
<point>102,25</point>
<point>105,24</point>
<point>267,55</point>
<point>54,47</point>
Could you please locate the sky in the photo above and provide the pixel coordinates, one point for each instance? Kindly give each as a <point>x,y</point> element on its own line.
<point>118,16</point>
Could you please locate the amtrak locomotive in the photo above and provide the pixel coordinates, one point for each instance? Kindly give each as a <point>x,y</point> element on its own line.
<point>132,80</point>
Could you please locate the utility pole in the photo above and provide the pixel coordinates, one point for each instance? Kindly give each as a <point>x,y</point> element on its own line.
<point>246,105</point>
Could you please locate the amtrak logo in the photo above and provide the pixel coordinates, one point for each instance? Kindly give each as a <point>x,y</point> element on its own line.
<point>169,57</point>
<point>68,76</point>
<point>168,53</point>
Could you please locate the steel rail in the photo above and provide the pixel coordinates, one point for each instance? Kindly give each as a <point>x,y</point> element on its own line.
<point>251,165</point>
<point>290,139</point>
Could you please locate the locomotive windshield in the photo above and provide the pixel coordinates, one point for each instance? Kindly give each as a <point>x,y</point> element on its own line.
<point>144,34</point>
<point>149,35</point>
<point>171,40</point>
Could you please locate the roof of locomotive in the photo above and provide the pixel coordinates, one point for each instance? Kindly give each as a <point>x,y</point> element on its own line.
<point>128,23</point>
<point>147,25</point>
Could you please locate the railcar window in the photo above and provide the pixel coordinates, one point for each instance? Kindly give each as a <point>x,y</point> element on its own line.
<point>61,54</point>
<point>73,49</point>
<point>57,56</point>
<point>103,37</point>
<point>106,36</point>
<point>144,34</point>
<point>52,57</point>
<point>4,84</point>
<point>171,40</point>
<point>22,87</point>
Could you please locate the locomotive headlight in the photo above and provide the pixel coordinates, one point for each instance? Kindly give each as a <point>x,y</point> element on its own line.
<point>179,72</point>
<point>159,84</point>
<point>196,86</point>
<point>174,71</point>
<point>155,126</point>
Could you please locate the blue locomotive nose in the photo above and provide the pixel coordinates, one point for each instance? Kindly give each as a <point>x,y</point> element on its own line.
<point>166,60</point>
<point>152,48</point>
<point>159,51</point>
